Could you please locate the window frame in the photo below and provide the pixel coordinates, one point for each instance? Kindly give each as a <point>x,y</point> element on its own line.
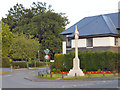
<point>68,42</point>
<point>89,42</point>
<point>116,41</point>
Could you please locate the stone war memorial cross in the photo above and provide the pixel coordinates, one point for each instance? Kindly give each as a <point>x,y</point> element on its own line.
<point>76,71</point>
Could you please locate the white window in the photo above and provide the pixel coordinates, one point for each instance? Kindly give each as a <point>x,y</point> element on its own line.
<point>89,42</point>
<point>68,42</point>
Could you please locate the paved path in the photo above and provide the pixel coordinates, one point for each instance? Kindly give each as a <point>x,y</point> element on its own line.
<point>17,79</point>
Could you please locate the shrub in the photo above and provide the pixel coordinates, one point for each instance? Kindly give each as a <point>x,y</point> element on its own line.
<point>99,70</point>
<point>84,70</point>
<point>54,70</point>
<point>58,70</point>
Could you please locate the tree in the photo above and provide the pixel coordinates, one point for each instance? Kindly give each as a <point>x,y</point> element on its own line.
<point>41,22</point>
<point>7,38</point>
<point>24,47</point>
<point>47,28</point>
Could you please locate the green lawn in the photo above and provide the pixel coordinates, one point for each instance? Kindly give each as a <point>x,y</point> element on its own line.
<point>59,76</point>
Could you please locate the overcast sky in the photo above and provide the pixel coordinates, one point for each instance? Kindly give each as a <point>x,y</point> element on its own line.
<point>74,9</point>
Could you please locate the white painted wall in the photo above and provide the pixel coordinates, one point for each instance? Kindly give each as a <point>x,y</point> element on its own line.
<point>103,41</point>
<point>64,47</point>
<point>81,43</point>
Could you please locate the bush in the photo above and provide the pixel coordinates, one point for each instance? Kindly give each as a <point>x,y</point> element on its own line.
<point>5,62</point>
<point>54,70</point>
<point>98,70</point>
<point>84,70</point>
<point>58,70</point>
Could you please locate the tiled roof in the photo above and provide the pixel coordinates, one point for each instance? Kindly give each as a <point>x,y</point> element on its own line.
<point>95,25</point>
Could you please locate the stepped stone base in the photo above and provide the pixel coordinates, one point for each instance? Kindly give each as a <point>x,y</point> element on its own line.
<point>78,72</point>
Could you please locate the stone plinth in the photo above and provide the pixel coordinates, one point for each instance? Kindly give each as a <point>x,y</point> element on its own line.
<point>76,70</point>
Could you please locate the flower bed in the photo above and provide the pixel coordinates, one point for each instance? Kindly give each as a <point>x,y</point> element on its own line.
<point>64,71</point>
<point>94,72</point>
<point>101,72</point>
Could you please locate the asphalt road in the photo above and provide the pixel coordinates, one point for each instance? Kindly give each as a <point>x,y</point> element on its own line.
<point>16,80</point>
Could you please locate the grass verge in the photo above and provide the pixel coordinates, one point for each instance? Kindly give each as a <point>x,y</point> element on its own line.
<point>5,72</point>
<point>28,69</point>
<point>59,76</point>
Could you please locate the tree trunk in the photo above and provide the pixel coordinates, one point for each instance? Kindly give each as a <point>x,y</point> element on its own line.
<point>27,64</point>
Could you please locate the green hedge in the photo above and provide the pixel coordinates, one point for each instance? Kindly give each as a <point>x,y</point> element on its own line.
<point>59,61</point>
<point>21,64</point>
<point>104,60</point>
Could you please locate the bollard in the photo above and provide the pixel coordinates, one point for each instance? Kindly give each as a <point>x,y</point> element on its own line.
<point>43,74</point>
<point>46,73</point>
<point>103,73</point>
<point>114,73</point>
<point>62,76</point>
<point>50,74</point>
<point>89,74</point>
<point>38,74</point>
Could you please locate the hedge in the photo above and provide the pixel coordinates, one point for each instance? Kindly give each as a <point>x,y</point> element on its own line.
<point>89,60</point>
<point>21,64</point>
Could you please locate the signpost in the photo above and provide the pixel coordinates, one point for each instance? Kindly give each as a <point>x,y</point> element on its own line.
<point>46,58</point>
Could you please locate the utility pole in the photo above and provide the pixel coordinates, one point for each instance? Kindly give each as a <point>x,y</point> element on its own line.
<point>38,56</point>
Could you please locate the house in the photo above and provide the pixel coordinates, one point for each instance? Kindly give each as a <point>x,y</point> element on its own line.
<point>96,33</point>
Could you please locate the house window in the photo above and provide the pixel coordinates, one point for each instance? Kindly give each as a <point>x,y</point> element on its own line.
<point>116,41</point>
<point>89,42</point>
<point>68,42</point>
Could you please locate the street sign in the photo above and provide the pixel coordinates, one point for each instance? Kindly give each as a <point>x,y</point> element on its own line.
<point>46,51</point>
<point>51,60</point>
<point>46,57</point>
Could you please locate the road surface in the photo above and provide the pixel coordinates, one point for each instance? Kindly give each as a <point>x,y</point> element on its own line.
<point>17,80</point>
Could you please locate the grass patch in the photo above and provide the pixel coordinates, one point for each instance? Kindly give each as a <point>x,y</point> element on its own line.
<point>92,76</point>
<point>59,76</point>
<point>5,72</point>
<point>54,76</point>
